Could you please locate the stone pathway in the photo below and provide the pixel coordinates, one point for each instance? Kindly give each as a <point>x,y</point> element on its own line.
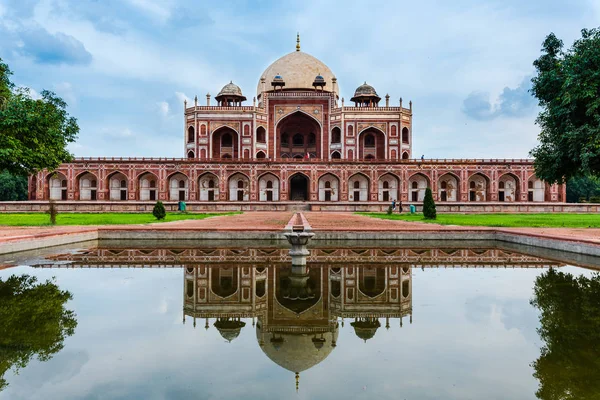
<point>276,221</point>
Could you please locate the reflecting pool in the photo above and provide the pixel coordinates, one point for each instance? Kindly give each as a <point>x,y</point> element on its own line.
<point>160,320</point>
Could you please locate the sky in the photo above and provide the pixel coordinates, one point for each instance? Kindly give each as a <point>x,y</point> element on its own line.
<point>125,66</point>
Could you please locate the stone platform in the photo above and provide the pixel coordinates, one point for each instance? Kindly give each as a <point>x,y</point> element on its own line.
<point>341,206</point>
<point>327,226</point>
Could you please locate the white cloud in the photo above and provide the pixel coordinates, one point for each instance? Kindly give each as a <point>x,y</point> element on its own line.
<point>157,9</point>
<point>163,108</point>
<point>66,91</point>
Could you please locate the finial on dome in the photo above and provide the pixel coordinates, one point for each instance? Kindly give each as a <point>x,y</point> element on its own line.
<point>297,381</point>
<point>298,41</point>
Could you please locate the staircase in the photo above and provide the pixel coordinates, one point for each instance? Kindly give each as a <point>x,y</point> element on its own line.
<point>298,207</point>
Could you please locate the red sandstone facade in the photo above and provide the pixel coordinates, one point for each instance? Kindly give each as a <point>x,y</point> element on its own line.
<point>295,144</point>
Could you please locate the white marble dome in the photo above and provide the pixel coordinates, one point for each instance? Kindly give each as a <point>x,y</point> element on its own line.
<point>298,70</point>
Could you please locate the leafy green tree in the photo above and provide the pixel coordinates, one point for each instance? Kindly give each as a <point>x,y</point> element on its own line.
<point>159,211</point>
<point>34,323</point>
<point>567,86</point>
<point>34,134</point>
<point>429,211</point>
<point>12,187</point>
<point>569,365</point>
<point>582,187</point>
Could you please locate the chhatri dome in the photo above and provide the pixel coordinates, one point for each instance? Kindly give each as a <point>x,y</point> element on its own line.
<point>298,70</point>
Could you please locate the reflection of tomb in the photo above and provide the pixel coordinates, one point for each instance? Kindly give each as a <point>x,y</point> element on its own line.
<point>297,308</point>
<point>417,257</point>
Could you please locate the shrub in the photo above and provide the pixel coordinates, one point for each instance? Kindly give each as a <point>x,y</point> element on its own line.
<point>429,205</point>
<point>595,199</point>
<point>390,210</point>
<point>52,211</point>
<point>159,211</point>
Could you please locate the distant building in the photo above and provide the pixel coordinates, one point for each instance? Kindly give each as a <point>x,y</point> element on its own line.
<point>297,142</point>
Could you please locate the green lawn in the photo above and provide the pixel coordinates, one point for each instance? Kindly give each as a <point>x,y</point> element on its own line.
<point>40,219</point>
<point>502,220</point>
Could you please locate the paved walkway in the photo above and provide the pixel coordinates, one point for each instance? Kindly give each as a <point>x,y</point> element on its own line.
<point>276,221</point>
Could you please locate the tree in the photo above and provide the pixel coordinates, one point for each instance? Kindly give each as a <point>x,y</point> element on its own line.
<point>159,211</point>
<point>582,187</point>
<point>569,364</point>
<point>567,86</point>
<point>12,187</point>
<point>35,322</point>
<point>33,133</point>
<point>429,211</point>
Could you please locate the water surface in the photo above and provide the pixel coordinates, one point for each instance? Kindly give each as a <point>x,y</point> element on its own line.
<point>236,320</point>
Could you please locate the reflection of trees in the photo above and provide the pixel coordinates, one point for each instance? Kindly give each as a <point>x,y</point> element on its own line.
<point>33,321</point>
<point>569,364</point>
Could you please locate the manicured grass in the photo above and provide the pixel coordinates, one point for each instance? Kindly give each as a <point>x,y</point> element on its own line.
<point>41,219</point>
<point>502,220</point>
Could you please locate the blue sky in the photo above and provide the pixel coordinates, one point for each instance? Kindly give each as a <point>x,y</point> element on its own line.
<point>125,66</point>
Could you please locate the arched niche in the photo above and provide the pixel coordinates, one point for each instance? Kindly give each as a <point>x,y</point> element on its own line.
<point>448,185</point>
<point>117,183</point>
<point>268,185</point>
<point>178,187</point>
<point>388,186</point>
<point>329,188</point>
<point>208,186</point>
<point>148,187</point>
<point>358,188</point>
<point>239,187</point>
<point>417,185</point>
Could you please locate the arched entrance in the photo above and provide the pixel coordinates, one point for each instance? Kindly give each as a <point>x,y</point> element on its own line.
<point>299,135</point>
<point>299,188</point>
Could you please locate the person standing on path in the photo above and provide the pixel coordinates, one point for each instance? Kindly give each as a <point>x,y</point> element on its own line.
<point>394,205</point>
<point>400,207</point>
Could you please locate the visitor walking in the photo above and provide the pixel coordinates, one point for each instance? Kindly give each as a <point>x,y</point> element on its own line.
<point>400,207</point>
<point>394,205</point>
<point>423,157</point>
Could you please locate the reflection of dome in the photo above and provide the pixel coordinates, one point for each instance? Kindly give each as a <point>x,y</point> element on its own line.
<point>365,328</point>
<point>299,70</point>
<point>296,352</point>
<point>229,329</point>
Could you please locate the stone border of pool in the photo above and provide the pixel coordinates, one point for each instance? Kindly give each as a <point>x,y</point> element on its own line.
<point>29,239</point>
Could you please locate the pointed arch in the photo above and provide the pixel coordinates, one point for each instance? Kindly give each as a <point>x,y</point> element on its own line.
<point>388,187</point>
<point>268,184</point>
<point>329,186</point>
<point>536,189</point>
<point>509,187</point>
<point>294,125</point>
<point>191,138</point>
<point>299,187</point>
<point>239,187</point>
<point>358,187</point>
<point>148,186</point>
<point>449,187</point>
<point>178,186</point>
<point>371,143</point>
<point>208,187</point>
<point>225,143</point>
<point>479,187</point>
<point>417,185</point>
<point>118,183</point>
<point>57,186</point>
<point>87,182</point>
